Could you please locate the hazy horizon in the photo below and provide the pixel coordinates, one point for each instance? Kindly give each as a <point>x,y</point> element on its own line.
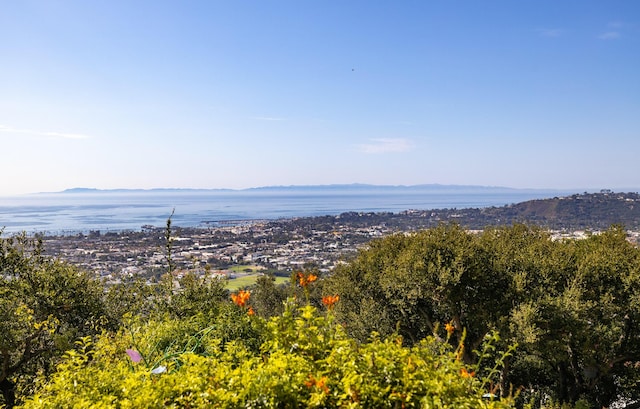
<point>131,209</point>
<point>150,94</point>
<point>436,187</point>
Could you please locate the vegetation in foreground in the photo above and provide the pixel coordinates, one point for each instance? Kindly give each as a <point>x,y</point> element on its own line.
<point>301,359</point>
<point>438,318</point>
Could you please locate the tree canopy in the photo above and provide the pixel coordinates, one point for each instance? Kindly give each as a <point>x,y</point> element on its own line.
<point>45,305</point>
<point>571,306</point>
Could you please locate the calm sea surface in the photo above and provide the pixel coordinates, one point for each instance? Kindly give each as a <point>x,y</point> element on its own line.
<point>67,213</point>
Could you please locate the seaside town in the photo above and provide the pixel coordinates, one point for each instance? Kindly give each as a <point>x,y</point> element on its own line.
<point>278,246</point>
<point>234,249</point>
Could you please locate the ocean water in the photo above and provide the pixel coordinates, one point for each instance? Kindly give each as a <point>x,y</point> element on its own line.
<point>68,213</point>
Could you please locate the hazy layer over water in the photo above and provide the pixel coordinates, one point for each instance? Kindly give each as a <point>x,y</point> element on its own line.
<point>129,210</point>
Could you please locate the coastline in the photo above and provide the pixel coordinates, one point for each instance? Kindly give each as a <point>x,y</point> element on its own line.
<point>84,212</point>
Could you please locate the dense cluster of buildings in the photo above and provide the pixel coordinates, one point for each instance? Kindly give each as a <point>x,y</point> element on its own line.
<point>278,246</point>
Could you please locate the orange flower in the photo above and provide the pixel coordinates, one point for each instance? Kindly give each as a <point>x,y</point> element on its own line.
<point>310,383</point>
<point>449,328</point>
<point>251,311</point>
<point>330,300</point>
<point>305,280</point>
<point>318,383</point>
<point>466,374</point>
<point>322,384</point>
<point>240,299</point>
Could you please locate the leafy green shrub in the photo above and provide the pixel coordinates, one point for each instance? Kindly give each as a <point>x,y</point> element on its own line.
<point>572,306</point>
<point>45,305</point>
<point>306,360</point>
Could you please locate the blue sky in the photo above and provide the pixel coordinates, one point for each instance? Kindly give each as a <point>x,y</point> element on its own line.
<point>236,94</point>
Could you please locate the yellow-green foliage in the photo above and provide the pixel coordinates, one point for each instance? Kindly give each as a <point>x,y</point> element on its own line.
<point>306,360</point>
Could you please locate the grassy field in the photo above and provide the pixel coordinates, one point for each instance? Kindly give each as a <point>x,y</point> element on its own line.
<point>250,279</point>
<point>246,269</point>
<point>246,275</point>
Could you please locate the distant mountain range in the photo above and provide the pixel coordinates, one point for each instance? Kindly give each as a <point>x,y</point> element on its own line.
<point>333,187</point>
